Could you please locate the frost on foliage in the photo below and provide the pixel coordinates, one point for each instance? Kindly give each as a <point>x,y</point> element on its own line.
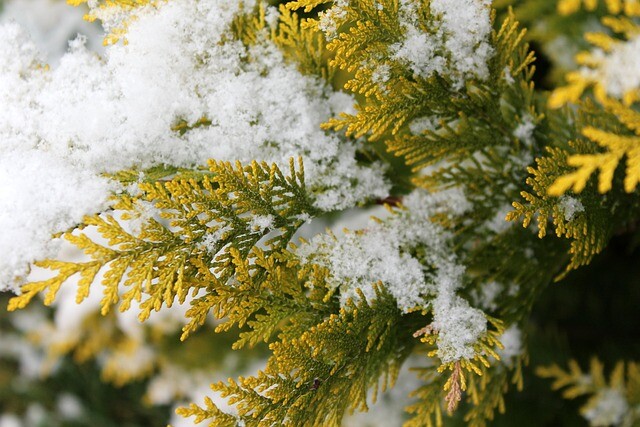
<point>570,207</point>
<point>458,45</point>
<point>384,252</point>
<point>607,409</point>
<point>60,129</point>
<point>331,19</point>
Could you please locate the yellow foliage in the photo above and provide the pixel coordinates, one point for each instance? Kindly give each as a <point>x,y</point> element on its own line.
<point>615,148</point>
<point>122,8</point>
<point>593,63</point>
<point>628,7</point>
<point>624,381</point>
<point>158,264</point>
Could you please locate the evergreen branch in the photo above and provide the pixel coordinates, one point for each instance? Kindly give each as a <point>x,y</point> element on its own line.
<point>314,377</point>
<point>219,217</point>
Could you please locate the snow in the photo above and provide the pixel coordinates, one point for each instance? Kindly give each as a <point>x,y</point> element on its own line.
<point>51,23</point>
<point>508,77</point>
<point>570,206</point>
<point>511,339</point>
<point>261,222</point>
<point>69,406</point>
<point>498,224</point>
<point>61,129</point>
<point>422,124</point>
<point>620,70</point>
<point>458,46</point>
<point>524,130</point>
<point>382,252</point>
<point>382,74</point>
<point>609,408</point>
<point>331,19</point>
<point>486,296</point>
<point>40,196</point>
<point>10,420</point>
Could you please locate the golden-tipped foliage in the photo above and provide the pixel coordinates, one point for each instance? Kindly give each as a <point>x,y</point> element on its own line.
<point>628,7</point>
<point>465,121</point>
<point>313,377</point>
<point>614,147</point>
<point>124,9</point>
<point>623,387</point>
<point>593,73</point>
<point>181,232</point>
<point>483,384</point>
<point>589,228</point>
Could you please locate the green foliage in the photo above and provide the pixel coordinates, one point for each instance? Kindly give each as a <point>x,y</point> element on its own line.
<point>313,377</point>
<point>223,236</point>
<point>166,257</point>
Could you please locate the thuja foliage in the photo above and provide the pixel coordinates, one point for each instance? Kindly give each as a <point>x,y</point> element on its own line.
<point>494,190</point>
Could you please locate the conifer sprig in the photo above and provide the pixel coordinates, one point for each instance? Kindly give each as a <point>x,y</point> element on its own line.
<point>188,229</point>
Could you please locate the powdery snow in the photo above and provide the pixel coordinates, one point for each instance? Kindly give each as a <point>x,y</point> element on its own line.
<point>620,70</point>
<point>458,45</point>
<point>570,207</point>
<point>511,339</point>
<point>382,252</point>
<point>61,129</point>
<point>608,410</point>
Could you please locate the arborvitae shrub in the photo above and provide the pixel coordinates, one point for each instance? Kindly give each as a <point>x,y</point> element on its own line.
<point>177,200</point>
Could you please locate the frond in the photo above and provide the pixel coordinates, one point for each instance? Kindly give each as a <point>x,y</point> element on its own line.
<point>212,222</point>
<point>313,378</point>
<point>615,147</point>
<point>585,221</point>
<point>627,7</point>
<point>613,400</point>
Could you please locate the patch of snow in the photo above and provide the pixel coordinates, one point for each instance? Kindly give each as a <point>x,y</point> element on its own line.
<point>570,206</point>
<point>609,408</point>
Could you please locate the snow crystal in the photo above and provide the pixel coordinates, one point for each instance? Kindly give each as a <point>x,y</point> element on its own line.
<point>507,76</point>
<point>458,47</point>
<point>570,206</point>
<point>382,74</point>
<point>61,129</point>
<point>609,408</point>
<point>272,15</point>
<point>487,294</point>
<point>459,325</point>
<point>69,406</point>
